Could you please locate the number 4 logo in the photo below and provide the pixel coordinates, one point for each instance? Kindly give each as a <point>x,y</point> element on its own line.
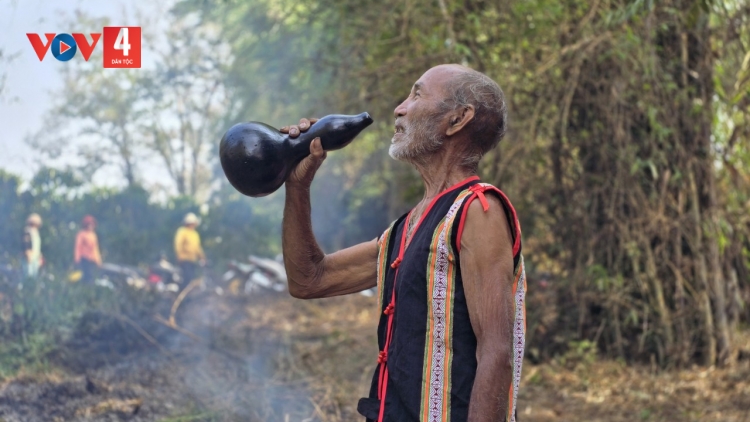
<point>122,41</point>
<point>122,47</point>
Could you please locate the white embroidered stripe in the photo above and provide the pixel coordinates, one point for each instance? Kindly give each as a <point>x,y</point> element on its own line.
<point>519,334</point>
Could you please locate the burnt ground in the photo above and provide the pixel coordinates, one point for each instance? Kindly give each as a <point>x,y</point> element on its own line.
<point>275,358</point>
<point>214,367</point>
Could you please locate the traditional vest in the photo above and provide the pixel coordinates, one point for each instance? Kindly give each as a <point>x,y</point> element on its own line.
<point>427,359</point>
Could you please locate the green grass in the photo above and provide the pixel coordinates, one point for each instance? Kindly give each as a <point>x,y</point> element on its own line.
<point>29,354</point>
<point>45,311</point>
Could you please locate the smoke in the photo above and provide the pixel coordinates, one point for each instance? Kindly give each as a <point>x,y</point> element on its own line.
<point>234,368</point>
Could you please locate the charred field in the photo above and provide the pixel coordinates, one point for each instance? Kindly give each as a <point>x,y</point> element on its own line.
<point>270,357</point>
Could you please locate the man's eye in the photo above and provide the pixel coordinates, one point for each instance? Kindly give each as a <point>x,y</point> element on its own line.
<point>417,94</point>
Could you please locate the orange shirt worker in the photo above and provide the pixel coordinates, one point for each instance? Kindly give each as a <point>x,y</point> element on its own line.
<point>87,256</point>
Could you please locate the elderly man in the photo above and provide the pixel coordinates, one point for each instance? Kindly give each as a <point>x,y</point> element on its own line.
<point>450,272</point>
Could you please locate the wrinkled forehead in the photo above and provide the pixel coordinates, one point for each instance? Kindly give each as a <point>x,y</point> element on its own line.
<point>436,79</point>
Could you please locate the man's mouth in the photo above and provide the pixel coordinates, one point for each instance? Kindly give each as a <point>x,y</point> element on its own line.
<point>399,129</point>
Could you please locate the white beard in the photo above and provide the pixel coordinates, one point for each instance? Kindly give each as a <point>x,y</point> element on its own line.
<point>419,140</point>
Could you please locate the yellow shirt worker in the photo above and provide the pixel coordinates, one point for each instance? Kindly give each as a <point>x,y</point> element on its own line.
<point>187,247</point>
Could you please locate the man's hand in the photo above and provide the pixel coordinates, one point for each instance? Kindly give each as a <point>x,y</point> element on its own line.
<point>302,175</point>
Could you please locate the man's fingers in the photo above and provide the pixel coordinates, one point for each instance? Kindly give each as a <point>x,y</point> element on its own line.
<point>305,123</point>
<point>295,130</point>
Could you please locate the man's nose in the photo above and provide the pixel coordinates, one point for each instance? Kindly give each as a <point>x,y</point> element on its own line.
<point>400,110</point>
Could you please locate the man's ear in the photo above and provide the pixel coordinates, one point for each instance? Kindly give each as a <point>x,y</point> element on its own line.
<point>459,119</point>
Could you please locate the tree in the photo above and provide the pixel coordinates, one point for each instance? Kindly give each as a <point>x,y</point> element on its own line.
<point>187,100</point>
<point>11,215</point>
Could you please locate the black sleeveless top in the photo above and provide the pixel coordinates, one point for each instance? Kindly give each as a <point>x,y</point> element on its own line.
<point>427,360</point>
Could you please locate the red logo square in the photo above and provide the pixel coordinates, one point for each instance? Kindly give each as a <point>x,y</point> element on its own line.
<point>122,47</point>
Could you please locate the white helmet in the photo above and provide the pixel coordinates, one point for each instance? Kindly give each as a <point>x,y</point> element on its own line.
<point>191,219</point>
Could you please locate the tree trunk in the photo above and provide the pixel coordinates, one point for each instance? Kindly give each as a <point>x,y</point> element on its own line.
<point>664,313</point>
<point>718,285</point>
<point>704,64</point>
<point>679,295</point>
<point>702,276</point>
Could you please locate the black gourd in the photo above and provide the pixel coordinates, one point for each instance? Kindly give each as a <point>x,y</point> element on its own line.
<point>257,158</point>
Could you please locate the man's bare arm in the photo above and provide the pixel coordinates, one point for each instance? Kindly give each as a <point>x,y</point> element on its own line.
<point>312,273</point>
<point>487,273</point>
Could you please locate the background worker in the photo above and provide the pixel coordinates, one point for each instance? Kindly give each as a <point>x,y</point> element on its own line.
<point>187,248</point>
<point>86,255</point>
<point>32,246</point>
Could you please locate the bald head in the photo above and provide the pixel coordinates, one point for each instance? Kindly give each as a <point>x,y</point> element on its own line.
<point>449,70</point>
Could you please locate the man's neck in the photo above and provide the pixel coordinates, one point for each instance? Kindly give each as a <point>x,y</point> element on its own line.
<point>439,171</point>
<point>442,170</point>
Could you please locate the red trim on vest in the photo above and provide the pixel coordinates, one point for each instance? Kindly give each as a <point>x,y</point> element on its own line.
<point>390,309</point>
<point>383,354</point>
<point>435,199</point>
<point>479,193</point>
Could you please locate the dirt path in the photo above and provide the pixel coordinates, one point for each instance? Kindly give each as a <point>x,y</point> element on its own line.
<point>273,358</point>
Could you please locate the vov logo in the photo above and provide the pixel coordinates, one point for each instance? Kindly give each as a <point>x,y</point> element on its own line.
<point>122,46</point>
<point>64,46</point>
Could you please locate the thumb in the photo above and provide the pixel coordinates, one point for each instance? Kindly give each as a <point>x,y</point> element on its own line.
<point>317,153</point>
<point>305,170</point>
<point>316,149</point>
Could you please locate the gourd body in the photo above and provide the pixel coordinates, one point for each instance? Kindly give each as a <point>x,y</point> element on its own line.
<point>257,158</point>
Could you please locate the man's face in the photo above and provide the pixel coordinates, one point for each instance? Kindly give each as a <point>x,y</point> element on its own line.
<point>420,123</point>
